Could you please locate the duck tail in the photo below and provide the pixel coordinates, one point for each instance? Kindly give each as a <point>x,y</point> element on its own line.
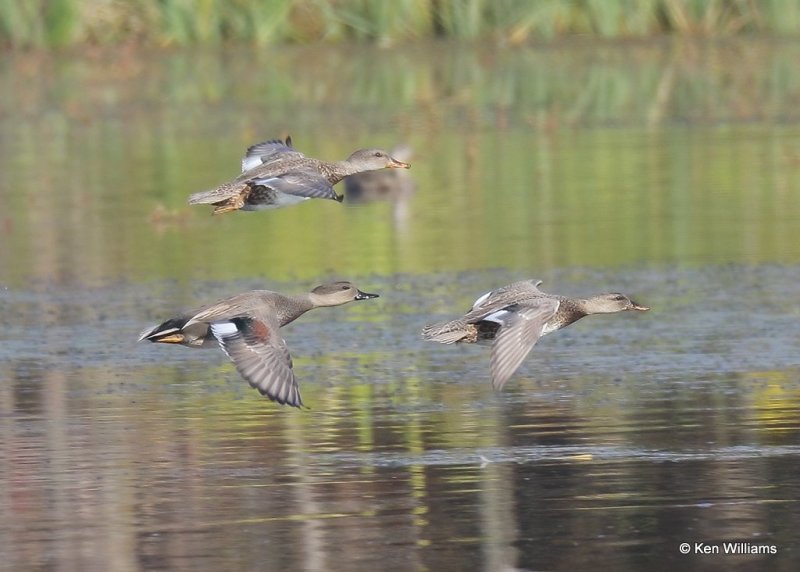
<point>168,332</point>
<point>207,197</point>
<point>449,332</point>
<point>226,192</point>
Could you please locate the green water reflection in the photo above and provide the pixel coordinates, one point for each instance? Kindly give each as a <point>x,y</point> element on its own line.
<point>441,478</point>
<point>98,160</point>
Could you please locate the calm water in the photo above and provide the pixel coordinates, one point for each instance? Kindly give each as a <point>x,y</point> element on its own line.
<point>666,171</point>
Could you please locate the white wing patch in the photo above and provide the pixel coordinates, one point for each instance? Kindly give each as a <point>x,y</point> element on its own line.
<point>222,329</point>
<point>281,200</point>
<point>499,317</point>
<point>250,162</point>
<point>482,299</point>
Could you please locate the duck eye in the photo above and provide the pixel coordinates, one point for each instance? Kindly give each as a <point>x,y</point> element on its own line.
<point>619,297</point>
<point>378,154</point>
<point>345,287</point>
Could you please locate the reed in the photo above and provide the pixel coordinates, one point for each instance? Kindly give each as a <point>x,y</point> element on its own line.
<point>53,23</point>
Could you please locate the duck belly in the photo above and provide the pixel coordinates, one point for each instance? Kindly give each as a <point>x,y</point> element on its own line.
<point>263,198</point>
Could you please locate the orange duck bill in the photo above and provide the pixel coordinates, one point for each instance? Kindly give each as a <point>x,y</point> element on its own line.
<point>395,164</point>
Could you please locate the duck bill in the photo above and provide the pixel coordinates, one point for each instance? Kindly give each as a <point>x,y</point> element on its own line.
<point>365,295</point>
<point>639,307</point>
<point>395,164</point>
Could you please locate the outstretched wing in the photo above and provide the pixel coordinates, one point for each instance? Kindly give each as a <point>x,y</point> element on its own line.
<point>300,184</point>
<point>236,306</point>
<point>495,300</point>
<point>257,155</point>
<point>519,331</point>
<point>260,356</point>
<point>267,151</point>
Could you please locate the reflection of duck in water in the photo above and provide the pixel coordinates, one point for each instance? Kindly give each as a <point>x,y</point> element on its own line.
<point>246,328</point>
<point>388,185</point>
<point>275,174</point>
<point>514,317</point>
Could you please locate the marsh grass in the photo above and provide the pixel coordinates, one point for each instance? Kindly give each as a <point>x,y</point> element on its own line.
<point>54,23</point>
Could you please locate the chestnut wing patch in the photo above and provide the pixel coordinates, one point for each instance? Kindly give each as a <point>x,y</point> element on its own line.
<point>253,331</point>
<point>260,356</point>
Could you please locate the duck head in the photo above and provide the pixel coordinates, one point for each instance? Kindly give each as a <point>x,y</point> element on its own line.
<point>337,293</point>
<point>611,303</point>
<point>374,159</point>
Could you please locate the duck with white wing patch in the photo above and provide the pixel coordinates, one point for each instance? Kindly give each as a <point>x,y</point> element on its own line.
<point>514,317</point>
<point>246,328</point>
<point>275,174</point>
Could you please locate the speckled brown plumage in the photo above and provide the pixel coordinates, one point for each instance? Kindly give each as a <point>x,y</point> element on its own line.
<point>275,175</point>
<point>514,317</point>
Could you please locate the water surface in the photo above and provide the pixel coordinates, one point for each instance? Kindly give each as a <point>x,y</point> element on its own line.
<point>665,171</point>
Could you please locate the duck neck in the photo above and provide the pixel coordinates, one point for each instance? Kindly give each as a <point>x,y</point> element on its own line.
<point>571,310</point>
<point>341,169</point>
<point>582,306</point>
<point>296,306</point>
<point>591,306</point>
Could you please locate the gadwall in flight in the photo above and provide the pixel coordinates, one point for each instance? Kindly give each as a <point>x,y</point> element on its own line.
<point>514,317</point>
<point>275,174</point>
<point>246,328</point>
<point>385,184</point>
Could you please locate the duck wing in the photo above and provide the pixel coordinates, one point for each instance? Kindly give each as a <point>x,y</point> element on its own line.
<point>268,151</point>
<point>496,300</point>
<point>236,306</point>
<point>299,183</point>
<point>520,328</point>
<point>266,156</point>
<point>260,356</point>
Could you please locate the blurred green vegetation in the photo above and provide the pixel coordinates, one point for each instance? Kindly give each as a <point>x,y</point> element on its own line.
<point>53,23</point>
